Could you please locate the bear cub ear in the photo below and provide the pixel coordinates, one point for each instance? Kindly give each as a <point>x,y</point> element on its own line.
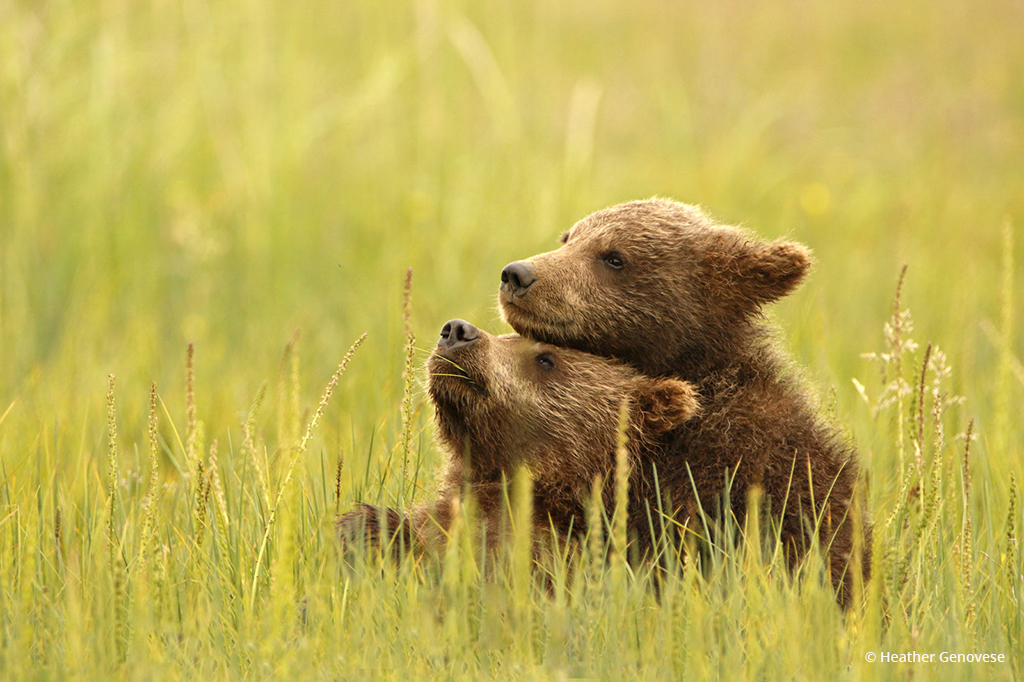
<point>663,404</point>
<point>770,271</point>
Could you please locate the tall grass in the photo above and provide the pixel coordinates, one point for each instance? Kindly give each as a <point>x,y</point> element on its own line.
<point>221,174</point>
<point>161,575</point>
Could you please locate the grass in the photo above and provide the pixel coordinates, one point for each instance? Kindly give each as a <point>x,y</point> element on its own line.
<point>222,174</point>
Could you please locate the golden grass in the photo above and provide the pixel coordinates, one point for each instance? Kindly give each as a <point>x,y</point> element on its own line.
<point>211,176</point>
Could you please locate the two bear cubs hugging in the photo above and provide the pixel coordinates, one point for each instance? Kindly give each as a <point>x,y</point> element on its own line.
<point>653,305</point>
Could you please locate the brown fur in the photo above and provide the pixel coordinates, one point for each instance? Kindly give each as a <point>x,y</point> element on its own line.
<point>502,402</point>
<point>686,302</point>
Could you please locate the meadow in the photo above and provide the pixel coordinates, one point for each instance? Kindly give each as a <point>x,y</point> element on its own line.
<point>203,206</point>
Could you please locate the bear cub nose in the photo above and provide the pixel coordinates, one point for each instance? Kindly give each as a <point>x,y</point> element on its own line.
<point>456,334</point>
<point>517,277</point>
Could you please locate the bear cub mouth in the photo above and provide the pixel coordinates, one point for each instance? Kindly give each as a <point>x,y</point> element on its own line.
<point>529,322</point>
<point>448,369</point>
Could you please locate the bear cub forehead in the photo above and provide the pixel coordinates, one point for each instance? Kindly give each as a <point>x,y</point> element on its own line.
<point>643,220</point>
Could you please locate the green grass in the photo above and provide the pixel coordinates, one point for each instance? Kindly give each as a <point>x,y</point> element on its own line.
<point>223,174</point>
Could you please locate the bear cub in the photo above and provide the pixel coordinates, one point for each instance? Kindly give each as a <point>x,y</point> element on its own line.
<point>663,287</point>
<point>503,402</point>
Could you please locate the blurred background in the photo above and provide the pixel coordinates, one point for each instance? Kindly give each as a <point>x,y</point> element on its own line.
<point>227,172</point>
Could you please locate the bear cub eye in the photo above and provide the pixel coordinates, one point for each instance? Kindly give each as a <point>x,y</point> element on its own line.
<point>546,361</point>
<point>614,260</point>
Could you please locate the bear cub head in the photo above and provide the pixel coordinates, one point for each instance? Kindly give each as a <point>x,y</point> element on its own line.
<point>508,401</point>
<point>655,283</point>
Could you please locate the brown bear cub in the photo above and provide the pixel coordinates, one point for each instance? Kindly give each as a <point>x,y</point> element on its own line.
<point>503,402</point>
<point>662,287</point>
